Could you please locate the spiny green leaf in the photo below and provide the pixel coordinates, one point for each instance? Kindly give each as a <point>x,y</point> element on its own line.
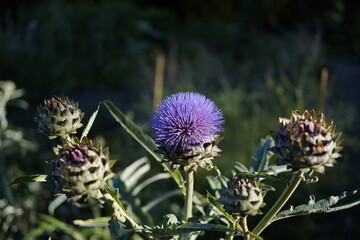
<point>145,140</point>
<point>29,178</point>
<point>262,155</point>
<point>184,229</point>
<point>331,204</point>
<point>90,123</point>
<point>205,227</point>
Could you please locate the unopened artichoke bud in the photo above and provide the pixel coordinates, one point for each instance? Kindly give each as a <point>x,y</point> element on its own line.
<point>80,169</point>
<point>242,197</point>
<point>59,117</point>
<point>306,142</point>
<point>186,128</point>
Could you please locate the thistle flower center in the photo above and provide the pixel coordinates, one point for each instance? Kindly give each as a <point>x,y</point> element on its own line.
<point>184,120</point>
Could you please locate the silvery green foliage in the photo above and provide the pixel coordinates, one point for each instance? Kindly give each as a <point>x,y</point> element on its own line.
<point>331,204</point>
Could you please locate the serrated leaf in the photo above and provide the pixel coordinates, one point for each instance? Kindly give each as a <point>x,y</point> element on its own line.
<point>114,193</point>
<point>205,227</point>
<point>262,155</point>
<point>90,123</point>
<point>332,204</point>
<point>216,204</point>
<point>29,178</point>
<point>183,229</point>
<point>119,232</point>
<point>145,140</point>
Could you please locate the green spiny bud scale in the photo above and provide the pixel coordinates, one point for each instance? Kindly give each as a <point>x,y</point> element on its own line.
<point>194,156</point>
<point>59,117</point>
<point>242,197</point>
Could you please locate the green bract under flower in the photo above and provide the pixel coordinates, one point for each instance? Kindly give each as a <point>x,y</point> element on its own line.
<point>59,117</point>
<point>306,142</point>
<point>242,197</point>
<point>80,169</point>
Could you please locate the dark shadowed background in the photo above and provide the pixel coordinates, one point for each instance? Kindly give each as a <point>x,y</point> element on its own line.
<point>257,60</point>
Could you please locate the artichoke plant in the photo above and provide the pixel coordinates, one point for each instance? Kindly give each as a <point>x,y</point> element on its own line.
<point>306,142</point>
<point>59,117</point>
<point>242,196</point>
<point>80,169</point>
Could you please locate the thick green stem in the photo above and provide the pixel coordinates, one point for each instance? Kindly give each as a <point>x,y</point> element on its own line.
<point>189,194</point>
<point>288,191</point>
<point>117,210</point>
<point>243,223</point>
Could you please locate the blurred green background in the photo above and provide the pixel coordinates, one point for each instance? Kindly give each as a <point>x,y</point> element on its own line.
<point>257,60</point>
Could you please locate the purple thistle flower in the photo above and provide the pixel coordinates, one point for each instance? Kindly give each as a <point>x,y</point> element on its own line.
<point>185,119</point>
<point>186,122</point>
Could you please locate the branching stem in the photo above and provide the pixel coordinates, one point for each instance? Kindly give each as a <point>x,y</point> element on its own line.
<point>243,223</point>
<point>286,194</point>
<point>117,210</point>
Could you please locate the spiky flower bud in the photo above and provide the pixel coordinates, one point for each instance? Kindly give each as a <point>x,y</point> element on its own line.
<point>186,127</point>
<point>306,142</point>
<point>80,169</point>
<point>242,197</point>
<point>59,117</point>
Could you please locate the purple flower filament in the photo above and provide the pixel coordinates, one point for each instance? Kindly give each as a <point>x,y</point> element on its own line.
<point>185,120</point>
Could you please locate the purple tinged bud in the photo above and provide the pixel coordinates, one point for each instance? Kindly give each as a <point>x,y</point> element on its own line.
<point>77,154</point>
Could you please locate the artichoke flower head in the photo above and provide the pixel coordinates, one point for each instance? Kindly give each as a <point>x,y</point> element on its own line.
<point>243,196</point>
<point>186,129</point>
<point>59,117</point>
<point>80,169</point>
<point>306,142</point>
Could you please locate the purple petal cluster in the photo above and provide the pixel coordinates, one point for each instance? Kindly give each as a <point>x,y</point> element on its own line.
<point>185,120</point>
